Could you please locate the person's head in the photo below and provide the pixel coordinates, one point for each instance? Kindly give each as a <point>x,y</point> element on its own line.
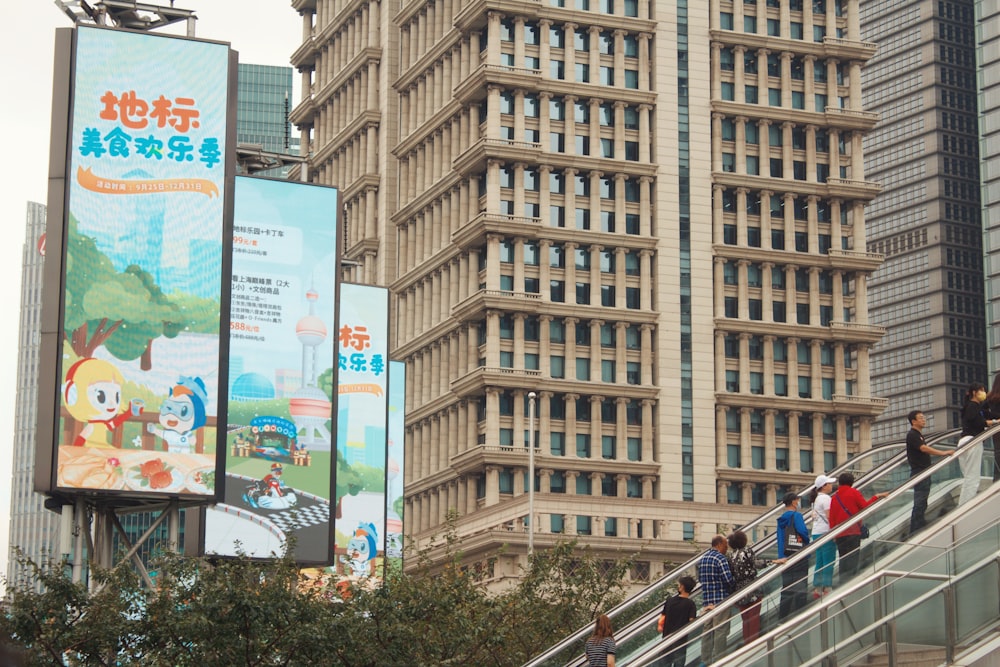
<point>602,627</point>
<point>845,479</point>
<point>720,544</point>
<point>917,419</point>
<point>823,484</point>
<point>685,584</point>
<point>737,540</point>
<point>791,500</point>
<point>976,392</point>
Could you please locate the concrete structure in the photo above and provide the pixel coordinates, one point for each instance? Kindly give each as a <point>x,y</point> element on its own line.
<point>650,215</point>
<point>33,529</point>
<point>929,292</point>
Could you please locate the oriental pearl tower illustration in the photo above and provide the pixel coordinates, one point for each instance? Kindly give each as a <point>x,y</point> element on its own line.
<point>309,406</point>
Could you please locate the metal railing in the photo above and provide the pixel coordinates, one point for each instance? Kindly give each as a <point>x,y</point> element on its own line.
<point>639,612</point>
<point>771,580</point>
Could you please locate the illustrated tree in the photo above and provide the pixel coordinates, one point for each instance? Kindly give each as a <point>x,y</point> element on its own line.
<point>123,310</point>
<point>325,382</point>
<point>349,482</point>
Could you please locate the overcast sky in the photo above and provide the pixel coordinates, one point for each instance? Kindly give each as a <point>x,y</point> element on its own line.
<point>265,32</point>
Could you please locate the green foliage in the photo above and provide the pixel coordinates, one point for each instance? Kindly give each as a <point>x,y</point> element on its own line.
<point>325,382</point>
<point>349,482</point>
<point>250,613</point>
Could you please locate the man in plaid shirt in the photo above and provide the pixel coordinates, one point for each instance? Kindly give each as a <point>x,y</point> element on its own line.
<point>716,584</point>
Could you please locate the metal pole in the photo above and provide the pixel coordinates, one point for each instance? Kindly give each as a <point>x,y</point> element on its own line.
<point>531,474</point>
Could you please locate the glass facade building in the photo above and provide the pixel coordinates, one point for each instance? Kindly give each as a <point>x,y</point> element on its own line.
<point>926,222</point>
<point>34,530</point>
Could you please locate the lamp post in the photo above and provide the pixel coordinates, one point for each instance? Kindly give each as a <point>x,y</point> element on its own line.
<point>531,474</point>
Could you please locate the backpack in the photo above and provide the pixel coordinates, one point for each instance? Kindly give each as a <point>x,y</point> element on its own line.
<point>744,573</point>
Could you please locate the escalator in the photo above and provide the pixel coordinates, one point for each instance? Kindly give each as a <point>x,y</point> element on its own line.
<point>880,469</point>
<point>884,554</point>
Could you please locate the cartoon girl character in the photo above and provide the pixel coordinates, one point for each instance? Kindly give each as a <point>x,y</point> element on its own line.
<point>181,415</point>
<point>361,549</point>
<point>92,394</point>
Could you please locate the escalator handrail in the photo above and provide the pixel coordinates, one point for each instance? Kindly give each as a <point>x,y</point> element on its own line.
<point>767,516</point>
<point>725,608</point>
<point>866,580</point>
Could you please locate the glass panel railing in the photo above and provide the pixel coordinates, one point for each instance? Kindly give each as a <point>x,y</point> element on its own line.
<point>635,619</point>
<point>888,521</point>
<point>937,606</point>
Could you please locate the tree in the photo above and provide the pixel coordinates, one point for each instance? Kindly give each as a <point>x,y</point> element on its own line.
<point>243,612</point>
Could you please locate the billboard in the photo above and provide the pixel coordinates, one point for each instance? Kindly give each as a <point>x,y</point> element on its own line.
<point>394,519</point>
<point>141,265</point>
<point>362,407</point>
<point>279,441</point>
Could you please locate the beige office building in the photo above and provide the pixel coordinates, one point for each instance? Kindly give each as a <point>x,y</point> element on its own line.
<point>649,214</point>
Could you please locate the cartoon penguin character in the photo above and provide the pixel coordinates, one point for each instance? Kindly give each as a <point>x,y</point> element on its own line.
<point>92,394</point>
<point>181,415</point>
<point>361,549</point>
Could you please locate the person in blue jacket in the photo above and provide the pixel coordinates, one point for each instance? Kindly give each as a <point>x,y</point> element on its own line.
<point>793,536</point>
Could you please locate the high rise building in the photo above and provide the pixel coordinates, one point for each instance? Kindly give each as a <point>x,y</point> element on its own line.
<point>263,132</point>
<point>264,100</point>
<point>987,17</point>
<point>927,222</point>
<point>33,529</point>
<point>649,215</point>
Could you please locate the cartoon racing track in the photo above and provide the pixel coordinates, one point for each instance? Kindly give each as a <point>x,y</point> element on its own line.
<point>308,517</point>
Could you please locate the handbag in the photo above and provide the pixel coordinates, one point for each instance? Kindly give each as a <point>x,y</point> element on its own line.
<point>865,533</point>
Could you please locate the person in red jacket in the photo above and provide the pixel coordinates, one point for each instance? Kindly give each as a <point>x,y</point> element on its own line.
<point>847,502</point>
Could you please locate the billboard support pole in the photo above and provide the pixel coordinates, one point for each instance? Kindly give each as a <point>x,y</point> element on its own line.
<point>174,525</point>
<point>80,515</point>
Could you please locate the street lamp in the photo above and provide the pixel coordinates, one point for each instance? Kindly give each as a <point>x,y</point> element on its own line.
<point>531,474</point>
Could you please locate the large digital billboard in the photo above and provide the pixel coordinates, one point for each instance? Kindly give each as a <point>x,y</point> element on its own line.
<point>279,440</point>
<point>362,420</point>
<point>142,265</point>
<point>394,491</point>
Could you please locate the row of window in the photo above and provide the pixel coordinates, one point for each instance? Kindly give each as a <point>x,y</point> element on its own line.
<point>796,29</point>
<point>779,312</point>
<point>585,447</point>
<point>557,409</point>
<point>776,136</point>
<point>560,111</point>
<point>531,181</point>
<point>582,218</point>
<point>781,385</point>
<point>627,7</point>
<point>755,273</point>
<point>581,257</point>
<point>818,6</point>
<point>557,367</point>
<point>805,423</point>
<point>558,331</point>
<point>776,204</point>
<point>753,239</point>
<point>776,168</point>
<point>605,42</point>
<point>803,350</point>
<point>750,96</point>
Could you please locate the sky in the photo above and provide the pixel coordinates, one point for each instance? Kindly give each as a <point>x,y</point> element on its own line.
<point>264,32</point>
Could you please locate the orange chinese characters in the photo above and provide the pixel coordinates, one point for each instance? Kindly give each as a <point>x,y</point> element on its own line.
<point>356,337</point>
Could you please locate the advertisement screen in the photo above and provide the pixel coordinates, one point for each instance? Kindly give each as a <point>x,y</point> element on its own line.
<point>362,406</point>
<point>394,463</point>
<point>279,441</point>
<point>143,258</point>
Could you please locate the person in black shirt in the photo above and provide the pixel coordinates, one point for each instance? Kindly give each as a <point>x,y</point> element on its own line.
<point>677,612</point>
<point>918,455</point>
